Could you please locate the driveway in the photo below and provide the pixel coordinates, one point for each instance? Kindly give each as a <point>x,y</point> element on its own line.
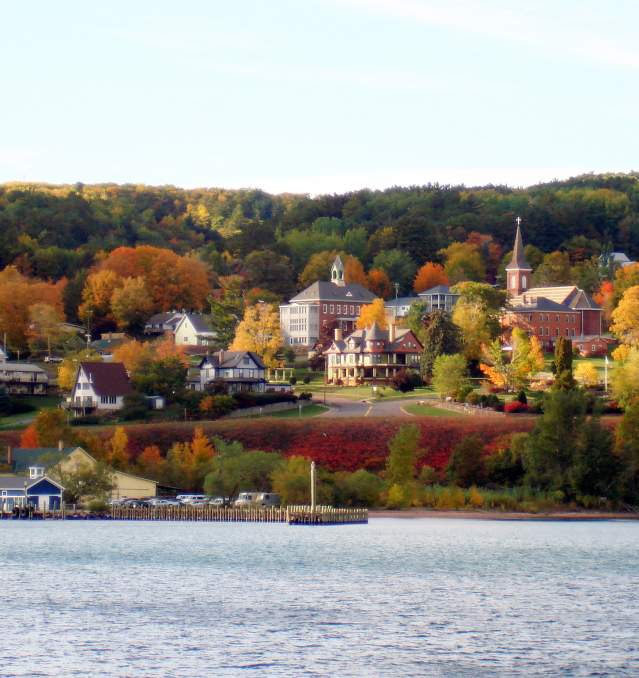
<point>343,407</point>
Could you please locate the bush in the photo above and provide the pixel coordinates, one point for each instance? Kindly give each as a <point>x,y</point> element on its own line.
<point>473,398</point>
<point>307,379</point>
<point>213,406</point>
<point>135,407</point>
<point>463,393</point>
<point>515,407</point>
<point>466,466</point>
<point>398,497</point>
<point>428,475</point>
<point>522,398</point>
<point>361,488</point>
<point>403,381</point>
<point>293,381</point>
<point>305,395</point>
<point>97,506</point>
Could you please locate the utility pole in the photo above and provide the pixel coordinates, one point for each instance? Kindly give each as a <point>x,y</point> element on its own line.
<point>312,488</point>
<point>606,374</point>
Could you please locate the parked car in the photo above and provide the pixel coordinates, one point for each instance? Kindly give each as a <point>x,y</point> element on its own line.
<point>245,499</point>
<point>268,499</point>
<point>52,359</point>
<point>164,501</point>
<point>219,501</point>
<point>190,498</point>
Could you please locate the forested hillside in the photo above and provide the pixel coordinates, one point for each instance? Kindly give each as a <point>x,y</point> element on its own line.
<point>72,247</point>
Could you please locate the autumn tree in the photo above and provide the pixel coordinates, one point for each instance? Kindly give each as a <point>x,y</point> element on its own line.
<point>45,327</point>
<point>18,294</point>
<point>318,267</point>
<point>450,374</point>
<point>625,318</point>
<point>259,331</point>
<point>404,450</point>
<point>97,293</point>
<point>605,297</point>
<point>151,463</point>
<point>428,276</point>
<point>134,354</point>
<point>131,304</point>
<point>463,261</point>
<point>379,283</point>
<point>586,375</point>
<point>51,427</point>
<point>555,269</point>
<point>625,379</point>
<point>398,266</point>
<point>374,312</point>
<point>118,449</point>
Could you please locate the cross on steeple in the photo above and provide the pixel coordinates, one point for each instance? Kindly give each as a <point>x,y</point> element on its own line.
<point>518,221</point>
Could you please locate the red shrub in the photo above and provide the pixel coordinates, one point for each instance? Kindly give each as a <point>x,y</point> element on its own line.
<point>514,407</point>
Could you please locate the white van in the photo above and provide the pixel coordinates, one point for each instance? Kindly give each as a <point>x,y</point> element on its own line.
<point>245,499</point>
<point>191,498</point>
<point>268,499</point>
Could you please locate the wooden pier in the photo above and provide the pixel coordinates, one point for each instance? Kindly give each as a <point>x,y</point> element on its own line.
<point>293,515</point>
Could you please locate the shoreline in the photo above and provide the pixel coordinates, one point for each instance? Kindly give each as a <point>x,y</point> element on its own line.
<point>414,514</point>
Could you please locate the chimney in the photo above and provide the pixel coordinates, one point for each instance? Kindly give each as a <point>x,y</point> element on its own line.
<point>221,354</point>
<point>9,455</point>
<point>391,333</point>
<point>60,445</point>
<point>339,334</point>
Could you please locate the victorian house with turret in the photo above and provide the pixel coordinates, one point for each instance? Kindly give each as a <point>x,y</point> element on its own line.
<point>321,307</point>
<point>371,355</point>
<point>549,312</point>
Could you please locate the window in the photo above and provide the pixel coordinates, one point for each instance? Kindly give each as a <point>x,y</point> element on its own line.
<point>332,308</point>
<point>352,310</point>
<point>324,307</point>
<point>338,309</point>
<point>107,400</point>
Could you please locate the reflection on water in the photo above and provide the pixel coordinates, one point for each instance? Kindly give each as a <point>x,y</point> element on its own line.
<point>425,597</point>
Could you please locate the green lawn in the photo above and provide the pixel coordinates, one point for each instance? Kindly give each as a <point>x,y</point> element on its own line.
<point>23,419</point>
<point>308,411</point>
<point>362,392</point>
<point>430,411</point>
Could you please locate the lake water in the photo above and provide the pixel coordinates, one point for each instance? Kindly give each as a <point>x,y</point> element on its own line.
<point>428,597</point>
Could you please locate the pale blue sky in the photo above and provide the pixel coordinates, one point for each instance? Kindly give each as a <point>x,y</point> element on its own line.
<point>317,95</point>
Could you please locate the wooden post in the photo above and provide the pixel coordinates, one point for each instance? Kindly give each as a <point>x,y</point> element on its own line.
<point>312,488</point>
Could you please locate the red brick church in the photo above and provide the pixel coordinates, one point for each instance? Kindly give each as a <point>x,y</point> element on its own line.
<point>550,312</point>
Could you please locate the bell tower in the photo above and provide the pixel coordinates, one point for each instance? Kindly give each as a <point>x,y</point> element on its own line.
<point>518,270</point>
<point>337,272</point>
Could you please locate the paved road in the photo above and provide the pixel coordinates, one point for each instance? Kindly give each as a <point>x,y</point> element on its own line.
<point>343,407</point>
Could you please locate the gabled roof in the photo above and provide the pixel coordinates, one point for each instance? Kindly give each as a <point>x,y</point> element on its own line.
<point>17,482</point>
<point>107,379</point>
<point>198,322</point>
<point>23,457</point>
<point>375,333</point>
<point>21,367</point>
<point>582,302</point>
<point>232,359</point>
<point>327,291</point>
<point>358,339</point>
<point>559,294</point>
<point>518,259</point>
<point>172,317</point>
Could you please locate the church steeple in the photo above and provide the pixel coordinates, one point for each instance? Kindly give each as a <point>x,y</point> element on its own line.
<point>337,272</point>
<point>518,270</point>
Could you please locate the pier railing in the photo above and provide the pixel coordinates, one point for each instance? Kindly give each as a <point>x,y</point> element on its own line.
<point>293,515</point>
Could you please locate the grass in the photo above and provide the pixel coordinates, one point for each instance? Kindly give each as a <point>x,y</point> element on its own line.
<point>22,420</point>
<point>308,411</point>
<point>430,411</point>
<point>362,392</point>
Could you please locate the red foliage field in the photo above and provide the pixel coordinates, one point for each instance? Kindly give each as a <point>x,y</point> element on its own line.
<point>336,444</point>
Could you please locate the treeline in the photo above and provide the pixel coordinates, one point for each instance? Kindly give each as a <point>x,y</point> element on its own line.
<point>51,231</point>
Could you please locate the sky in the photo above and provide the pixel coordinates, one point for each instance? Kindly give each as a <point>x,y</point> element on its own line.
<point>317,96</point>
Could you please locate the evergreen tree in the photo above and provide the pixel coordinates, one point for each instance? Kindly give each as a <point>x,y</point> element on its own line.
<point>564,379</point>
<point>440,336</point>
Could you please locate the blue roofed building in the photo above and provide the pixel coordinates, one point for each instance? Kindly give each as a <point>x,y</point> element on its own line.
<point>34,489</point>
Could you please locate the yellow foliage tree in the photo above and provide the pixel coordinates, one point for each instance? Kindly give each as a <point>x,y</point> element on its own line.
<point>97,293</point>
<point>586,375</point>
<point>259,331</point>
<point>69,367</point>
<point>374,312</point>
<point>625,318</point>
<point>134,354</point>
<point>118,449</point>
<point>494,375</point>
<point>473,321</point>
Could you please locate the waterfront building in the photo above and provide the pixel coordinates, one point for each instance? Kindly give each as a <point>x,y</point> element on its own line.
<point>321,307</point>
<point>35,489</point>
<point>371,355</point>
<point>65,460</point>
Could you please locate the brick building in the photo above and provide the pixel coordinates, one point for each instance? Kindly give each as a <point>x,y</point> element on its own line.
<point>547,312</point>
<point>323,305</point>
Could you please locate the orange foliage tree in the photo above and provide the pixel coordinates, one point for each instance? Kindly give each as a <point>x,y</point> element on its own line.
<point>29,437</point>
<point>372,313</point>
<point>379,283</point>
<point>430,275</point>
<point>605,297</point>
<point>18,294</point>
<point>354,271</point>
<point>134,354</point>
<point>151,463</point>
<point>172,281</point>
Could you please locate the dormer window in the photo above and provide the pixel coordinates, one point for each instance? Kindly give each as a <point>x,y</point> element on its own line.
<point>36,472</point>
